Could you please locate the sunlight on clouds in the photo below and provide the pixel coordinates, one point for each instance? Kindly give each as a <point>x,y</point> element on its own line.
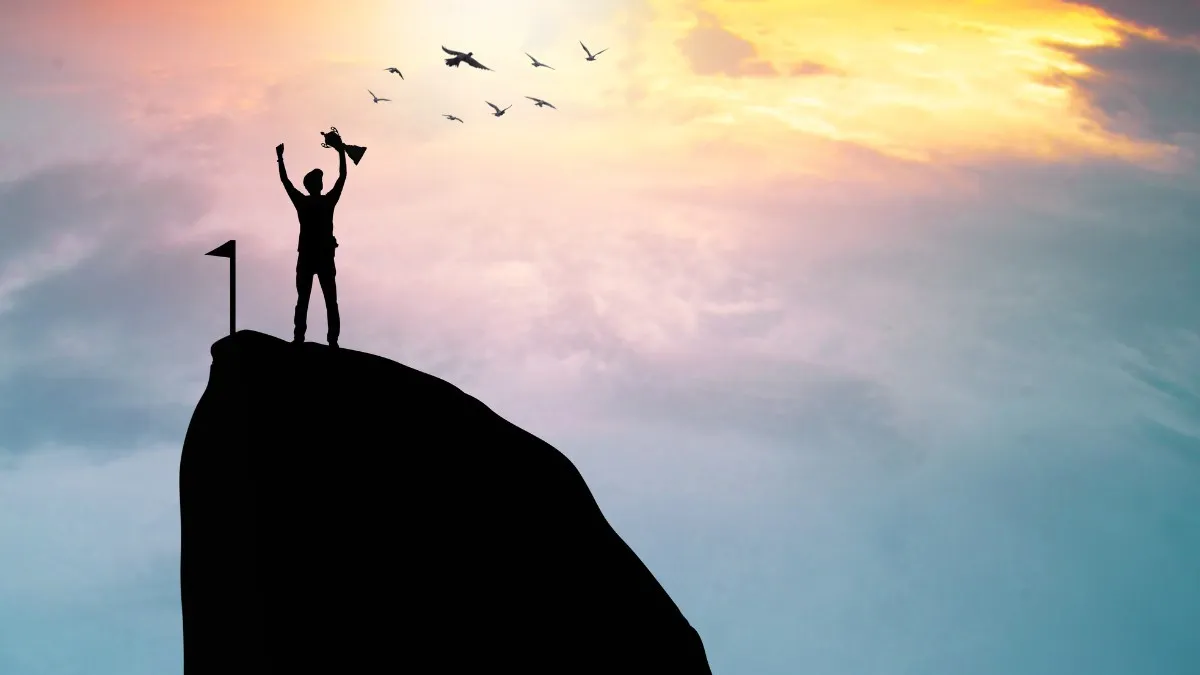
<point>689,90</point>
<point>920,80</point>
<point>733,88</point>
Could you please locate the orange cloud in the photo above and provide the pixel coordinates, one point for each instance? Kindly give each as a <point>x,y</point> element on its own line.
<point>924,80</point>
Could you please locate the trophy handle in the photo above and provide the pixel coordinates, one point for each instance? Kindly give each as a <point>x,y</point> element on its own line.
<point>331,129</point>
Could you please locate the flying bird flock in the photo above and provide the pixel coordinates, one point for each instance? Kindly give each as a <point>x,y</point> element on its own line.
<point>457,58</point>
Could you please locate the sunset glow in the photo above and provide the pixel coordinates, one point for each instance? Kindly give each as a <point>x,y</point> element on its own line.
<point>919,80</point>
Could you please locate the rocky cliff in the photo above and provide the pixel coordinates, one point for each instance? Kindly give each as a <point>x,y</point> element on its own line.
<point>343,513</point>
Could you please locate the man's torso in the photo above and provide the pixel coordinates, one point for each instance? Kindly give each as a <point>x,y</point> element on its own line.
<point>316,223</point>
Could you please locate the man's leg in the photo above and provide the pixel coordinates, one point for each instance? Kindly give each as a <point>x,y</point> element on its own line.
<point>304,279</point>
<point>327,277</point>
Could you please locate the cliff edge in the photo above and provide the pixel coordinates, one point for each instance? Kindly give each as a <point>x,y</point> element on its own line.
<point>343,513</point>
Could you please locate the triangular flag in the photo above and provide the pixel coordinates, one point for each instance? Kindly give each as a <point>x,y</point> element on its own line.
<point>225,250</point>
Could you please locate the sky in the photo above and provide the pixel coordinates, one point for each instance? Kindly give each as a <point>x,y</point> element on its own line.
<point>872,326</point>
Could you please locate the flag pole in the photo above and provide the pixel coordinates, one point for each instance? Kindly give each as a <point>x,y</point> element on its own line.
<point>229,250</point>
<point>232,289</point>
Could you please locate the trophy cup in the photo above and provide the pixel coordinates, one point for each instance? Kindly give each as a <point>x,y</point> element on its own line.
<point>334,140</point>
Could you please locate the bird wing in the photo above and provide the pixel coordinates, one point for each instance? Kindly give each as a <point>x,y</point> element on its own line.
<point>601,51</point>
<point>585,49</point>
<point>494,107</point>
<point>509,106</point>
<point>546,66</point>
<point>372,94</point>
<point>477,64</point>
<point>459,119</point>
<point>532,98</point>
<point>531,57</point>
<point>549,104</point>
<point>452,52</point>
<point>385,99</point>
<point>400,74</point>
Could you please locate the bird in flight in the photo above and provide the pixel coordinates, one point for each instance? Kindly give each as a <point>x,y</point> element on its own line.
<point>396,71</point>
<point>590,55</point>
<point>377,99</point>
<point>498,112</point>
<point>540,103</point>
<point>536,63</point>
<point>452,118</point>
<point>460,57</point>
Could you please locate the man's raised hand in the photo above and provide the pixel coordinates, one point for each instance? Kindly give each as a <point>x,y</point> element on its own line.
<point>279,151</point>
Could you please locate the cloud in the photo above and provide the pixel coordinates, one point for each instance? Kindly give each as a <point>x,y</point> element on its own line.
<point>814,68</point>
<point>818,413</point>
<point>98,200</point>
<point>62,214</point>
<point>711,49</point>
<point>1146,88</point>
<point>1177,18</point>
<point>1000,307</point>
<point>86,284</point>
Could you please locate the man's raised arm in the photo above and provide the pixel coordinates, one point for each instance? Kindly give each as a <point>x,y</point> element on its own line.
<point>335,192</point>
<point>283,177</point>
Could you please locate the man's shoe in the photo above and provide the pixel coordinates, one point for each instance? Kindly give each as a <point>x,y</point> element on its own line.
<point>333,344</point>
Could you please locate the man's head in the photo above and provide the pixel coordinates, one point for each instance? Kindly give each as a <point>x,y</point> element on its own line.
<point>312,182</point>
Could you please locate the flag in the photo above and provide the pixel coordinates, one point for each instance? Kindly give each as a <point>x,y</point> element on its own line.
<point>225,250</point>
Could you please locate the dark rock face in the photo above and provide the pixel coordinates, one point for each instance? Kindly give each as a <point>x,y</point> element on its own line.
<point>343,513</point>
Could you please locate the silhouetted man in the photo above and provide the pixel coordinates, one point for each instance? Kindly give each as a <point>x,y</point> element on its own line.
<point>317,242</point>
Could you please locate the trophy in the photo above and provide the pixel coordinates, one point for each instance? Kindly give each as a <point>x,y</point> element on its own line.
<point>334,140</point>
